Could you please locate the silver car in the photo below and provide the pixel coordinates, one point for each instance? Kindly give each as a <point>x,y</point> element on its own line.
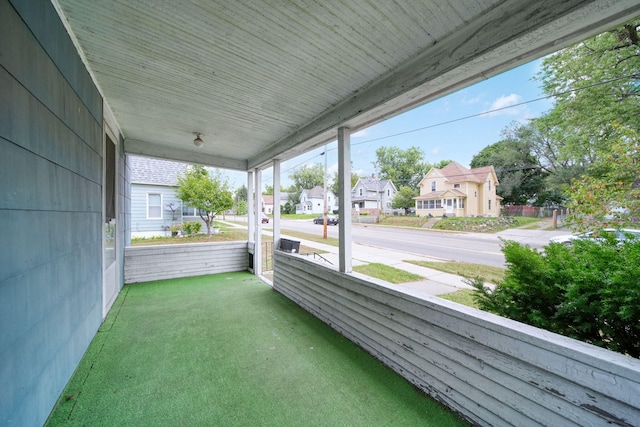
<point>621,236</point>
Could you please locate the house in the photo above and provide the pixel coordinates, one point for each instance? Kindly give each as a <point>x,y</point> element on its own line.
<point>85,85</point>
<point>154,204</point>
<point>268,204</point>
<point>371,194</point>
<point>312,201</point>
<point>457,191</point>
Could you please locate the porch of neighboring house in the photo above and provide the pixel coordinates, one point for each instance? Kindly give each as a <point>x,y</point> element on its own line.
<point>227,350</point>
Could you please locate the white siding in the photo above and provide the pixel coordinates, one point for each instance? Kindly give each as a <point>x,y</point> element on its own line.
<point>492,370</point>
<point>145,263</point>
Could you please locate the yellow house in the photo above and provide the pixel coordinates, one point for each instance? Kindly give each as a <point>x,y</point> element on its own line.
<point>457,191</point>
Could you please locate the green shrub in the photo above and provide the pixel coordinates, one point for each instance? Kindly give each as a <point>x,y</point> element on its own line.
<point>588,291</point>
<point>192,227</point>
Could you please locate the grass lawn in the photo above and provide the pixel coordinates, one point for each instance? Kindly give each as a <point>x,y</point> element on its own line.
<point>465,269</point>
<point>226,350</point>
<point>405,221</point>
<point>483,225</point>
<point>463,296</point>
<point>387,273</point>
<point>332,241</point>
<point>226,234</point>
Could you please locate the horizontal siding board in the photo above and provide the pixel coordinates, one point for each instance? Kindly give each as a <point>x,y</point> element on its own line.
<point>28,123</point>
<point>61,59</point>
<point>421,355</point>
<point>417,358</point>
<point>450,390</point>
<point>431,344</point>
<point>144,263</point>
<point>521,375</point>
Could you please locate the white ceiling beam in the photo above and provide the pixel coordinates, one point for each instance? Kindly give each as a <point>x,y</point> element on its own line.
<point>192,156</point>
<point>507,36</point>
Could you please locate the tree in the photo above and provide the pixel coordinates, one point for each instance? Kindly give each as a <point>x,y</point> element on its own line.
<point>336,188</point>
<point>268,190</point>
<point>596,85</point>
<point>588,291</point>
<point>209,195</point>
<point>242,193</point>
<point>519,173</point>
<point>609,195</point>
<point>307,177</point>
<point>404,198</point>
<point>403,167</point>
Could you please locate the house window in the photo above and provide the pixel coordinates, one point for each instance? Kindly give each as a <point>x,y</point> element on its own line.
<point>456,185</point>
<point>388,192</point>
<point>433,186</point>
<point>461,203</point>
<point>489,204</point>
<point>489,187</point>
<point>154,206</point>
<point>189,211</point>
<point>361,191</point>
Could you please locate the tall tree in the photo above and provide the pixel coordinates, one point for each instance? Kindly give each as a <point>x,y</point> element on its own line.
<point>242,193</point>
<point>334,183</point>
<point>268,190</point>
<point>404,198</point>
<point>403,167</point>
<point>610,193</point>
<point>308,176</point>
<point>519,172</point>
<point>595,83</point>
<point>210,195</point>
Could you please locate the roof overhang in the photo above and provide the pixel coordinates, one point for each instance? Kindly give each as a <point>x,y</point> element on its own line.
<point>271,80</point>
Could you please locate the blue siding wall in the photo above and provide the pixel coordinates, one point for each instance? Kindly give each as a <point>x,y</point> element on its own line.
<point>50,209</point>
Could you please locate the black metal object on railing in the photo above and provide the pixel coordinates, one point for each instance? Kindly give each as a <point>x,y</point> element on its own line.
<point>292,246</point>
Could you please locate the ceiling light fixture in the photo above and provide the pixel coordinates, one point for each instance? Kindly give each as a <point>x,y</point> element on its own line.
<point>198,141</point>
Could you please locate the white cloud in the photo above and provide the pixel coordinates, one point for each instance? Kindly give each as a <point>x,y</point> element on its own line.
<point>435,151</point>
<point>361,134</point>
<point>470,101</point>
<point>501,106</point>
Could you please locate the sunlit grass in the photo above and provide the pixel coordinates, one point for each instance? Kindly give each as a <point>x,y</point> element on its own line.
<point>465,269</point>
<point>387,273</point>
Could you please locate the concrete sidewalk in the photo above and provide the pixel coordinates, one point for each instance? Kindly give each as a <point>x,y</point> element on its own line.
<point>435,282</point>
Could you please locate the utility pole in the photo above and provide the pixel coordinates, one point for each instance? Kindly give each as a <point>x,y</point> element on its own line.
<point>324,223</point>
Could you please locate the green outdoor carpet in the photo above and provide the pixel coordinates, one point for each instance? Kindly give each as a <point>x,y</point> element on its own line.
<point>226,350</point>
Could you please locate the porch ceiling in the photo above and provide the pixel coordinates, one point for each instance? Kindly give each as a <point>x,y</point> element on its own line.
<point>272,79</point>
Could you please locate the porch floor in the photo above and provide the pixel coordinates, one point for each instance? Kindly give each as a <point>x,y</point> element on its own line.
<point>227,350</point>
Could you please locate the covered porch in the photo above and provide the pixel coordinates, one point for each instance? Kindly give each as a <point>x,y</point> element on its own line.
<point>226,350</point>
<point>244,86</point>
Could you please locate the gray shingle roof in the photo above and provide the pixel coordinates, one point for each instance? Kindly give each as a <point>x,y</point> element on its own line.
<point>146,170</point>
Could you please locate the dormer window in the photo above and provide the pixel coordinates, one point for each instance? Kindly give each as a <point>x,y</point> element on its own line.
<point>456,185</point>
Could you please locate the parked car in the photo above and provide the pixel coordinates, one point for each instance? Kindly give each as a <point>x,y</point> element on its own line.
<point>331,220</point>
<point>621,236</point>
<point>265,219</point>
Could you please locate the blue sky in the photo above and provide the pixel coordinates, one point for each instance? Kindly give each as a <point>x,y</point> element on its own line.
<point>459,140</point>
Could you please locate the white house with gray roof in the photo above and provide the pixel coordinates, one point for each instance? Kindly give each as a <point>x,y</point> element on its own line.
<point>312,201</point>
<point>370,193</point>
<point>154,205</point>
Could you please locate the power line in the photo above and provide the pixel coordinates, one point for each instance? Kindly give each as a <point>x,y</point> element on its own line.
<point>568,91</point>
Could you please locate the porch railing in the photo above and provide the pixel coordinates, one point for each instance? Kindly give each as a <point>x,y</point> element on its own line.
<point>491,370</point>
